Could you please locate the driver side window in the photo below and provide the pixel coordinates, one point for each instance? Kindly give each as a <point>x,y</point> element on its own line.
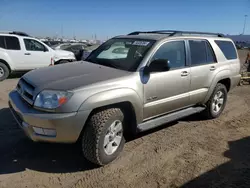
<point>174,52</point>
<point>33,45</point>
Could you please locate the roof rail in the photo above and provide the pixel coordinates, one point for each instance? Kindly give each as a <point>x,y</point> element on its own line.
<point>176,33</point>
<point>15,33</point>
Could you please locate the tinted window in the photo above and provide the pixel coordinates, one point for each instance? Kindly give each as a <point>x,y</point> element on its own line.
<point>12,43</point>
<point>227,48</point>
<point>33,45</point>
<point>77,47</point>
<point>198,52</point>
<point>174,52</point>
<point>2,43</point>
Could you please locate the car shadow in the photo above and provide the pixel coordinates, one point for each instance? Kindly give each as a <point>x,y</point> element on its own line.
<point>17,75</point>
<point>18,153</point>
<point>235,173</point>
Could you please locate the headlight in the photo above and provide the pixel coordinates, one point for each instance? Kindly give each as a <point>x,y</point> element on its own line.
<point>49,99</point>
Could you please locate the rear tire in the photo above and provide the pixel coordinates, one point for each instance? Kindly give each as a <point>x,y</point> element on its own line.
<point>103,139</point>
<point>241,83</point>
<point>216,103</point>
<point>4,72</point>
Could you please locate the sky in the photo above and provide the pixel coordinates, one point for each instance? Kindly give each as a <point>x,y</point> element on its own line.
<point>107,18</point>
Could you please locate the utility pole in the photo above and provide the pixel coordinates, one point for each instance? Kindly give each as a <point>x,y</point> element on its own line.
<point>62,31</point>
<point>244,27</point>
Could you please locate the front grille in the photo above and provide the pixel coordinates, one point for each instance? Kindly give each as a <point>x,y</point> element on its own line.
<point>26,90</point>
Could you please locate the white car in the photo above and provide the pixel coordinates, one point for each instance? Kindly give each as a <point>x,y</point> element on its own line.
<point>21,52</point>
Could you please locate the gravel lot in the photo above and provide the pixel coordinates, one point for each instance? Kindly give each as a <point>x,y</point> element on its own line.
<point>188,153</point>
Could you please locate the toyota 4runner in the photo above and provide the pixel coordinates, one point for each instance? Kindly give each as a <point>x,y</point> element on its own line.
<point>159,76</point>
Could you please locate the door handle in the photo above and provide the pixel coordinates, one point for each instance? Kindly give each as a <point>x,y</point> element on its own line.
<point>212,68</point>
<point>27,54</point>
<point>184,73</point>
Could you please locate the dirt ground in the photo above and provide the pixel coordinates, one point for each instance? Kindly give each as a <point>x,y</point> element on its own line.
<point>188,153</point>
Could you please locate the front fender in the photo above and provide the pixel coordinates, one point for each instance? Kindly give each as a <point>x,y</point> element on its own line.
<point>219,76</point>
<point>115,96</point>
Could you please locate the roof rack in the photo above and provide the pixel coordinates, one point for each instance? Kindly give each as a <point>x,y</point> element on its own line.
<point>15,33</point>
<point>177,33</point>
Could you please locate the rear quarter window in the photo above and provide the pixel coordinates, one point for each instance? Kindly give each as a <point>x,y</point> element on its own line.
<point>227,48</point>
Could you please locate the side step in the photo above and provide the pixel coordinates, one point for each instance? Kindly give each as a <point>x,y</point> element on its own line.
<point>150,124</point>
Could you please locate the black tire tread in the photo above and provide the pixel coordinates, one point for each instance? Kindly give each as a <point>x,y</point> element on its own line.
<point>7,71</point>
<point>93,131</point>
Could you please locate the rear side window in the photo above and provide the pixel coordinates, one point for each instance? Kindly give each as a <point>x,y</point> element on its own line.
<point>2,43</point>
<point>227,48</point>
<point>12,43</point>
<point>201,52</point>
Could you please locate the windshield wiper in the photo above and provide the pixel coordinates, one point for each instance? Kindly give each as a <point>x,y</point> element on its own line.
<point>106,63</point>
<point>109,64</point>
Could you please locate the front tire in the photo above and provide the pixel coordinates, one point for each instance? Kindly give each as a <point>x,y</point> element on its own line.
<point>103,139</point>
<point>4,72</point>
<point>216,103</point>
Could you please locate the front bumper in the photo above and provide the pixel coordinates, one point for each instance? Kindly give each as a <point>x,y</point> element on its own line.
<point>67,126</point>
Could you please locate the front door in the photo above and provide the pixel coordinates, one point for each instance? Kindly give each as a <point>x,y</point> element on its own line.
<point>167,90</point>
<point>36,55</point>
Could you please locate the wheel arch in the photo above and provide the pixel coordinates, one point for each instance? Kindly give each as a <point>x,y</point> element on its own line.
<point>7,64</point>
<point>126,99</point>
<point>221,77</point>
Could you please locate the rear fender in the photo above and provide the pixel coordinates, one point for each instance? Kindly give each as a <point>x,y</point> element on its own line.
<point>5,58</point>
<point>218,77</point>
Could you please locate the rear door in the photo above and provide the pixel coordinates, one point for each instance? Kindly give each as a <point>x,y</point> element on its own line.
<point>203,64</point>
<point>11,45</point>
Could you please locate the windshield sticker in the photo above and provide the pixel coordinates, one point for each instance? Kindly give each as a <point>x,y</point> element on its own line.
<point>141,43</point>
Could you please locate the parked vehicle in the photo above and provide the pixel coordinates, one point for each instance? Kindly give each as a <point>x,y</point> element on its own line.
<point>60,46</point>
<point>165,76</point>
<point>88,50</point>
<point>20,52</point>
<point>76,48</point>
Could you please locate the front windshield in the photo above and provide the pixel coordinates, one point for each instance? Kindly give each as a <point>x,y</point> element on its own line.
<point>120,53</point>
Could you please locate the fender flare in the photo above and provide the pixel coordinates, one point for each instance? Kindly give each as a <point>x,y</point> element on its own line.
<point>115,96</point>
<point>223,74</point>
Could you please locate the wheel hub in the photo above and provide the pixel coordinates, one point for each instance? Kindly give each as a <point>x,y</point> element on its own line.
<point>1,72</point>
<point>113,137</point>
<point>218,101</point>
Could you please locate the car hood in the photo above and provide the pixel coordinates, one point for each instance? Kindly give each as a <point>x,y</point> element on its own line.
<point>71,76</point>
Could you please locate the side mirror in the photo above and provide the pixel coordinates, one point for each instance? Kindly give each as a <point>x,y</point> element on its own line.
<point>159,65</point>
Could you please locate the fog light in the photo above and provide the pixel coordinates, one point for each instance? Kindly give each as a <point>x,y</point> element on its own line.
<point>45,132</point>
<point>38,130</point>
<point>49,132</point>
